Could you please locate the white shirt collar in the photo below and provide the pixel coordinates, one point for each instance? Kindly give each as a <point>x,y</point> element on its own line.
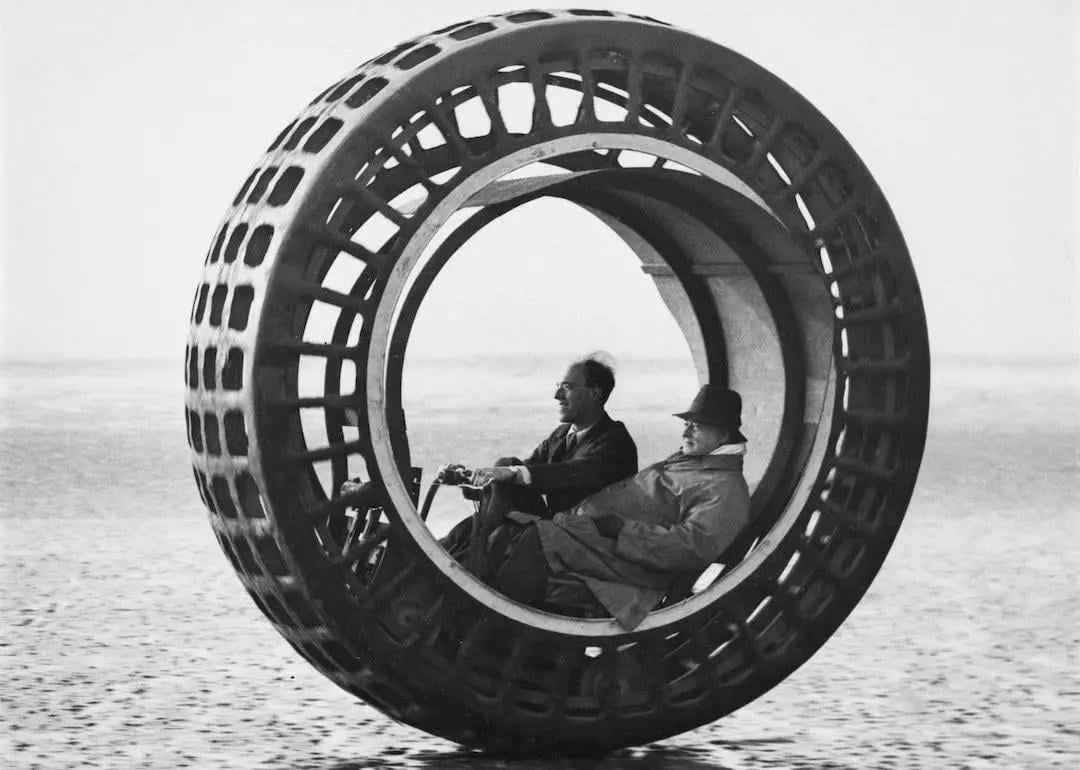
<point>581,433</point>
<point>729,449</point>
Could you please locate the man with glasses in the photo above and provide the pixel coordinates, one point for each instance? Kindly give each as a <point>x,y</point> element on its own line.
<point>585,453</point>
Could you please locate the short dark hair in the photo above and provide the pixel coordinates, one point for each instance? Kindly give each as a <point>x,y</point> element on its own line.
<point>598,374</point>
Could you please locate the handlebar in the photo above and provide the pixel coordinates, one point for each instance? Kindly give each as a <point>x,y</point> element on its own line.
<point>454,475</point>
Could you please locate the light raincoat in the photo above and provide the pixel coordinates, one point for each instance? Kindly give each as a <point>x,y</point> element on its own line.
<point>679,515</point>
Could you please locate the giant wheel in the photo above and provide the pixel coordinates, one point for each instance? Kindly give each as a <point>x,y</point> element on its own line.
<point>766,237</point>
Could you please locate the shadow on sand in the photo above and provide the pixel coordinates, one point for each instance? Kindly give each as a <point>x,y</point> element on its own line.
<point>653,757</point>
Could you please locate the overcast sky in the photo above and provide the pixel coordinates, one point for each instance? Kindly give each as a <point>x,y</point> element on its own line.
<point>128,127</point>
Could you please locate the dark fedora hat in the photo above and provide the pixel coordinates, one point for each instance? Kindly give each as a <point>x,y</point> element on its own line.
<point>717,406</point>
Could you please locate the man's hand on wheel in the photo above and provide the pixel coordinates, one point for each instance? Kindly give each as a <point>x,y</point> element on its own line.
<point>482,476</point>
<point>453,474</point>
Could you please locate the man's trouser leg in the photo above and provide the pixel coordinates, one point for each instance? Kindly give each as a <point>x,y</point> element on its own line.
<point>467,541</point>
<point>522,576</point>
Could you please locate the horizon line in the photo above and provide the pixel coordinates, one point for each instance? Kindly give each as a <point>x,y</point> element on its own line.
<point>952,358</point>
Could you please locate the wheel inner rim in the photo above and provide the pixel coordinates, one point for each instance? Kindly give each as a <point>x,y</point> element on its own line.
<point>387,316</point>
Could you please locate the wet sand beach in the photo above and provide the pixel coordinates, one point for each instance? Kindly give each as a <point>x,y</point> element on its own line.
<point>127,641</point>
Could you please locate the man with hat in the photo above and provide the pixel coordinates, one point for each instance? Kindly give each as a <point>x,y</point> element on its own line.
<point>631,543</point>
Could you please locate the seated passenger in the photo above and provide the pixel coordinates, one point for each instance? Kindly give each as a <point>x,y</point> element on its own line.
<point>585,453</point>
<point>630,543</point>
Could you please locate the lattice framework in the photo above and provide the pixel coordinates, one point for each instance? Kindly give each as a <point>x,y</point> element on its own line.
<point>316,231</point>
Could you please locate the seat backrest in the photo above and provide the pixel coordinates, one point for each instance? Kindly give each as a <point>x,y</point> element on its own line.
<point>683,587</point>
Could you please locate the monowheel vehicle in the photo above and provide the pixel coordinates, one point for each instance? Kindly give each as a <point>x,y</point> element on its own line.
<point>766,237</point>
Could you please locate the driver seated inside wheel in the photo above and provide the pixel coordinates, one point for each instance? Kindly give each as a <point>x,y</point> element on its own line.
<point>585,453</point>
<point>630,543</point>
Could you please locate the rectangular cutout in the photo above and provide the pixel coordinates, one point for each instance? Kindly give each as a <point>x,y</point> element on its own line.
<point>241,307</point>
<point>472,118</point>
<point>210,434</point>
<point>232,374</point>
<point>375,232</point>
<point>193,368</point>
<point>217,305</point>
<point>200,308</point>
<point>285,186</point>
<point>223,497</point>
<point>236,440</point>
<point>250,501</point>
<point>323,134</point>
<point>516,104</point>
<point>209,368</point>
<point>257,245</point>
<point>365,92</point>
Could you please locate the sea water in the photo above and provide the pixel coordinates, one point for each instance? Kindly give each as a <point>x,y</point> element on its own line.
<point>127,641</point>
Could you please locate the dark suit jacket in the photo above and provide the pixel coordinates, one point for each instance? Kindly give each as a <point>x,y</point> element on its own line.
<point>604,455</point>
